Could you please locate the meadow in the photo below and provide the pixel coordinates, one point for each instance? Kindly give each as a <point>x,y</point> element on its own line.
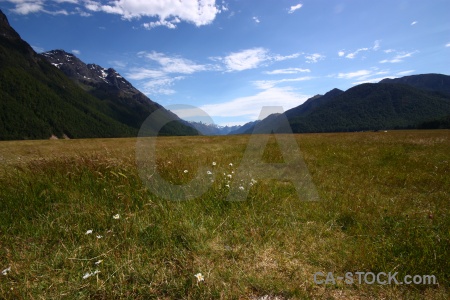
<point>77,222</point>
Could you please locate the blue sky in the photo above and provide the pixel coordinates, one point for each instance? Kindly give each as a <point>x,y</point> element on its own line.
<point>231,57</point>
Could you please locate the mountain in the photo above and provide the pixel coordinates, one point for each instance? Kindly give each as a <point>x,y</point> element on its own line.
<point>374,106</point>
<point>212,129</point>
<point>37,100</point>
<point>125,102</point>
<point>418,101</point>
<point>430,82</point>
<point>245,128</point>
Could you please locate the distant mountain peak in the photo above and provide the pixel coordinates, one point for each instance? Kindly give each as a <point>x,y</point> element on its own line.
<point>88,74</point>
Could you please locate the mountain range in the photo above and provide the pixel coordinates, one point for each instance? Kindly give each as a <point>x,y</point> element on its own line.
<point>417,101</point>
<point>69,98</point>
<point>55,94</point>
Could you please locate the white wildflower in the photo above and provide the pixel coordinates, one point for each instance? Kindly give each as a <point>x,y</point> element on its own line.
<point>99,262</point>
<point>87,275</point>
<point>116,216</point>
<point>209,173</point>
<point>99,236</point>
<point>185,171</point>
<point>241,188</point>
<point>227,185</point>
<point>230,164</point>
<point>88,232</point>
<point>214,163</point>
<point>6,271</point>
<point>229,176</point>
<point>199,277</point>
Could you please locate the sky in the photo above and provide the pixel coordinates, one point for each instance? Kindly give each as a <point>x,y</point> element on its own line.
<point>231,57</point>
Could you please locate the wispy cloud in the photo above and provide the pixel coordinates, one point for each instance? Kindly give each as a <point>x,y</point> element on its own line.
<point>246,59</point>
<point>447,45</point>
<point>288,71</point>
<point>76,52</point>
<point>413,23</point>
<point>363,76</point>
<point>313,58</point>
<point>403,73</point>
<point>250,106</point>
<point>351,75</point>
<point>267,84</point>
<point>398,58</point>
<point>256,19</point>
<point>251,59</point>
<point>351,55</point>
<point>174,64</point>
<point>294,8</point>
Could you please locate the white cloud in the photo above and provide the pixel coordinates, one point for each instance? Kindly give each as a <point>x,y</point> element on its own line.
<point>76,52</point>
<point>354,74</point>
<point>398,58</point>
<point>246,59</point>
<point>174,64</point>
<point>250,106</point>
<point>26,7</point>
<point>376,45</point>
<point>294,8</point>
<point>371,80</point>
<point>363,76</point>
<point>160,85</point>
<point>447,45</point>
<point>341,53</point>
<point>288,71</point>
<point>413,23</point>
<point>313,58</point>
<point>169,24</point>
<point>353,54</point>
<point>256,19</point>
<point>403,73</point>
<point>389,51</point>
<point>143,73</point>
<point>281,58</point>
<point>268,84</point>
<point>198,12</point>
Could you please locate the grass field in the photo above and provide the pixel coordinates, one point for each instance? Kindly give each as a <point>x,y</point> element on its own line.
<point>77,222</point>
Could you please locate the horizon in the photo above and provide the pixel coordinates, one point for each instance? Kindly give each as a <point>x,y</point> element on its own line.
<point>230,58</point>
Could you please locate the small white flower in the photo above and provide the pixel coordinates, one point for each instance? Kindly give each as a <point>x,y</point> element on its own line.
<point>99,262</point>
<point>116,216</point>
<point>227,185</point>
<point>230,164</point>
<point>87,275</point>
<point>185,171</point>
<point>232,172</point>
<point>241,188</point>
<point>214,163</point>
<point>6,271</point>
<point>99,236</point>
<point>229,176</point>
<point>199,277</point>
<point>88,232</point>
<point>209,172</point>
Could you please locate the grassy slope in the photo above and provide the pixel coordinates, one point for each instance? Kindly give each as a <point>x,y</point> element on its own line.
<point>384,207</point>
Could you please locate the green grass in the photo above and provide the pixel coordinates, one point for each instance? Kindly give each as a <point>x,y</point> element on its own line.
<point>384,207</point>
